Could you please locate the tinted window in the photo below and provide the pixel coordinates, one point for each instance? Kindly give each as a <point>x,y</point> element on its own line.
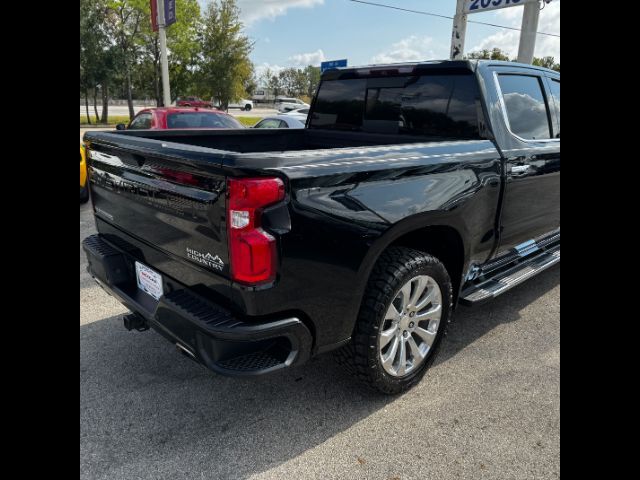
<point>303,110</point>
<point>201,120</point>
<point>339,105</point>
<point>526,107</point>
<point>443,106</point>
<point>555,93</point>
<point>141,122</point>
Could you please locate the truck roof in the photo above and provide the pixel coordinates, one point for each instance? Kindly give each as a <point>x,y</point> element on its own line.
<point>408,67</point>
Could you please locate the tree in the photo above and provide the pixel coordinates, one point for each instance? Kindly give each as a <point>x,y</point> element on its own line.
<point>98,55</point>
<point>497,54</point>
<point>251,83</point>
<point>224,68</point>
<point>184,47</point>
<point>182,50</point>
<point>288,81</point>
<point>124,21</point>
<point>269,80</point>
<point>297,82</point>
<point>547,62</point>
<point>91,44</point>
<point>312,75</point>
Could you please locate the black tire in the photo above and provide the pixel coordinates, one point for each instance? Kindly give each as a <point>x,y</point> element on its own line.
<point>84,195</point>
<point>247,108</point>
<point>395,267</point>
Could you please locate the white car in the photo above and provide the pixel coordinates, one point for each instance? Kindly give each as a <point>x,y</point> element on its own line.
<point>299,113</point>
<point>279,121</point>
<point>286,104</point>
<point>243,104</point>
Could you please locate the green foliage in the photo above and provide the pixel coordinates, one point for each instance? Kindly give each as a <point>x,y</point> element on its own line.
<point>182,47</point>
<point>547,62</point>
<point>224,69</point>
<point>97,58</point>
<point>112,120</point>
<point>123,23</point>
<point>248,121</point>
<point>312,80</point>
<point>294,82</point>
<point>497,54</point>
<point>271,81</point>
<point>208,55</point>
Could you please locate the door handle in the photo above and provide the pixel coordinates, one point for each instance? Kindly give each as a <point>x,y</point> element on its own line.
<point>520,169</point>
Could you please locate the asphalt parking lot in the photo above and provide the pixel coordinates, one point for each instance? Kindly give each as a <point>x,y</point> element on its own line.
<point>487,409</point>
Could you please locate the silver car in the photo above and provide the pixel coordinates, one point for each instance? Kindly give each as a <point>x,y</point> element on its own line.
<point>286,104</point>
<point>299,113</point>
<point>279,121</point>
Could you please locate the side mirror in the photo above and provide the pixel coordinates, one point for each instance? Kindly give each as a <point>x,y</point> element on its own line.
<point>121,126</point>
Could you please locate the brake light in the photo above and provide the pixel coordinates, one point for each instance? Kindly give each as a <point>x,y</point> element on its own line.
<point>252,251</point>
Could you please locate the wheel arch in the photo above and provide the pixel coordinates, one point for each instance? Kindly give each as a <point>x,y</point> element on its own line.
<point>441,238</point>
<point>443,242</point>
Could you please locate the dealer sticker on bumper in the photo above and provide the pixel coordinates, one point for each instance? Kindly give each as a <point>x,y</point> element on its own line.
<point>149,281</point>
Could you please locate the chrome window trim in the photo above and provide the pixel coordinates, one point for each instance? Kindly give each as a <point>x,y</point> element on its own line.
<point>503,108</point>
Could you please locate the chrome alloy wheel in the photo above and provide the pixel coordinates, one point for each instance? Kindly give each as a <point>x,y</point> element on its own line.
<point>410,326</point>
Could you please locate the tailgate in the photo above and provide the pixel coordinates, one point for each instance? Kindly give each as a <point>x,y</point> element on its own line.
<point>168,196</point>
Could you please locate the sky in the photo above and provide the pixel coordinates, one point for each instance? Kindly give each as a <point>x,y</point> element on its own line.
<point>296,33</point>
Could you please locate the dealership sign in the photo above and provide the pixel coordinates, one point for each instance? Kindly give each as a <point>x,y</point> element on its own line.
<point>169,13</point>
<point>474,6</point>
<point>332,64</point>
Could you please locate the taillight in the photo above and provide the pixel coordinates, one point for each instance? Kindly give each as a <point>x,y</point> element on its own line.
<point>252,251</point>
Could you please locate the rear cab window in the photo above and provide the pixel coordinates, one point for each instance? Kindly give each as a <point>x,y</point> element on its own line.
<point>433,105</point>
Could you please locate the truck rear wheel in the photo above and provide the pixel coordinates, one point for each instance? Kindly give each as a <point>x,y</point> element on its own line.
<point>404,315</point>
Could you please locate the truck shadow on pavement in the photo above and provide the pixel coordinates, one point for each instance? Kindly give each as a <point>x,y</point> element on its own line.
<point>148,412</point>
<point>471,323</point>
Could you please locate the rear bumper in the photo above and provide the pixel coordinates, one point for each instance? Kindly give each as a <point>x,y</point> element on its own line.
<point>207,332</point>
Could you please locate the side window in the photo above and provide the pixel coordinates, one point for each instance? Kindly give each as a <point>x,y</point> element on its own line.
<point>555,93</point>
<point>527,110</point>
<point>283,124</point>
<point>141,122</point>
<point>269,123</point>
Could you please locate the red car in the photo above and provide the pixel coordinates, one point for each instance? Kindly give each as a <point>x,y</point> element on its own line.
<point>192,102</point>
<point>180,118</point>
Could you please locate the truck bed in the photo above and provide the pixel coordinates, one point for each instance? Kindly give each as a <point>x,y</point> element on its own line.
<point>274,140</point>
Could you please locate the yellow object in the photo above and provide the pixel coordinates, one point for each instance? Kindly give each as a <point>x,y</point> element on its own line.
<point>83,167</point>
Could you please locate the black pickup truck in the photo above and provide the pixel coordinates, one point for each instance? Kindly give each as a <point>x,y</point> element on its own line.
<point>413,188</point>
